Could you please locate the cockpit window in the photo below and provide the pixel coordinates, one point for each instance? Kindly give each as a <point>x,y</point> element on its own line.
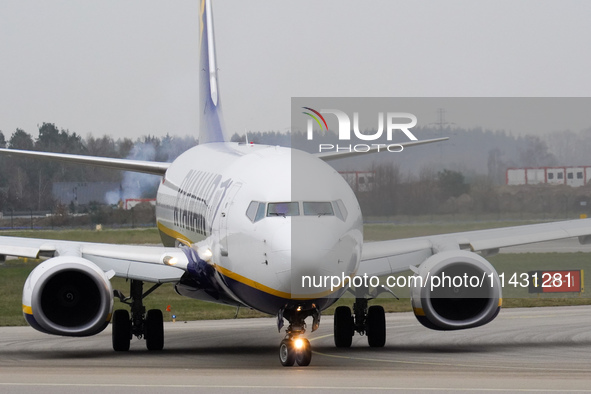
<point>251,211</point>
<point>283,209</point>
<point>340,209</point>
<point>255,211</point>
<point>318,208</point>
<point>260,212</point>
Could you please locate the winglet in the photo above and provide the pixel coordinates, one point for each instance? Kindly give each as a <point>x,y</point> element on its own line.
<point>210,126</point>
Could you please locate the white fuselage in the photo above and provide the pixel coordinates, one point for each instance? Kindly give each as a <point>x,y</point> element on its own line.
<point>269,215</point>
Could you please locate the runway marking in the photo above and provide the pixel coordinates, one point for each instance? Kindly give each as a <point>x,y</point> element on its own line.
<point>449,364</point>
<point>530,316</point>
<point>503,317</point>
<point>320,337</point>
<point>445,364</point>
<point>282,387</point>
<point>330,335</point>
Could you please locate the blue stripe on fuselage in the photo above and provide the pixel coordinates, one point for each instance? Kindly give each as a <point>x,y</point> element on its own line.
<point>271,304</point>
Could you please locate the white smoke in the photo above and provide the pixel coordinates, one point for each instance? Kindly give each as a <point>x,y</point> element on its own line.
<point>134,184</point>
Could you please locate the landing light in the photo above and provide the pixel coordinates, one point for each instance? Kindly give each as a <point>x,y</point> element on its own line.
<point>298,343</point>
<point>169,260</point>
<point>204,254</point>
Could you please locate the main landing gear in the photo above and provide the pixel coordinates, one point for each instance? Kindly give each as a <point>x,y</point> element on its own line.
<point>369,321</point>
<point>149,326</point>
<point>294,349</point>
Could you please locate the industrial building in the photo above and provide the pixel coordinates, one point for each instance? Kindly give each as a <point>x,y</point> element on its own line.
<point>570,176</point>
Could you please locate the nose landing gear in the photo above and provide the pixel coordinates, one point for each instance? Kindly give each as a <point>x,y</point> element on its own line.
<point>293,348</point>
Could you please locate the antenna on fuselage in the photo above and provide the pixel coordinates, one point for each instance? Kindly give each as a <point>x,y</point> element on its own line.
<point>246,141</point>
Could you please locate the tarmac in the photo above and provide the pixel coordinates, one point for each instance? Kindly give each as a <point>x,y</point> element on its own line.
<point>522,350</point>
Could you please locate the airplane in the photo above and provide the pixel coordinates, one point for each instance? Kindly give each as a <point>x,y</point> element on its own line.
<point>241,225</point>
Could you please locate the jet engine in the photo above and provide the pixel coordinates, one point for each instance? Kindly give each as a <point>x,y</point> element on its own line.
<point>456,289</point>
<point>69,296</point>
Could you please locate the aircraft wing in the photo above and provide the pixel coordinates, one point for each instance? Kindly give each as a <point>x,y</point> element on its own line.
<point>328,156</point>
<point>378,258</point>
<point>137,262</point>
<point>388,257</point>
<point>148,167</point>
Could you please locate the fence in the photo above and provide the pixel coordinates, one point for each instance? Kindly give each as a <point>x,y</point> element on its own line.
<point>139,216</point>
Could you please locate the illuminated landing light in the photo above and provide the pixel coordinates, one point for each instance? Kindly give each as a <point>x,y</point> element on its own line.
<point>170,260</point>
<point>298,343</point>
<point>205,254</point>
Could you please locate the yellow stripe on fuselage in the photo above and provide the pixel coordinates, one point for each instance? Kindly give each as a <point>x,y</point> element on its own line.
<point>239,278</point>
<point>174,234</point>
<point>266,289</point>
<point>249,282</point>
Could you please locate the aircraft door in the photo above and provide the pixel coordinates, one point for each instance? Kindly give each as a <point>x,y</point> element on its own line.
<point>226,211</point>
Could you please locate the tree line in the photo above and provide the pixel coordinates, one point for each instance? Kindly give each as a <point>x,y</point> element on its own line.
<point>26,184</point>
<point>463,176</point>
<point>439,186</point>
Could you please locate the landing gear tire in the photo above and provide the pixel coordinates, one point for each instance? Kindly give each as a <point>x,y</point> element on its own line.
<point>287,353</point>
<point>154,327</point>
<point>343,327</point>
<point>121,334</point>
<point>376,326</point>
<point>304,355</point>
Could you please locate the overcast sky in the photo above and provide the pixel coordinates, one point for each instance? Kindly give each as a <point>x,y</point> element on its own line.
<point>130,67</point>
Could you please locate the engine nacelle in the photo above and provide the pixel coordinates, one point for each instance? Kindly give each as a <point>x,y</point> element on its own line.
<point>457,289</point>
<point>69,296</point>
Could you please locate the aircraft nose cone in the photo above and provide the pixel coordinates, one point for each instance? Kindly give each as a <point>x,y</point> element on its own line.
<point>316,248</point>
